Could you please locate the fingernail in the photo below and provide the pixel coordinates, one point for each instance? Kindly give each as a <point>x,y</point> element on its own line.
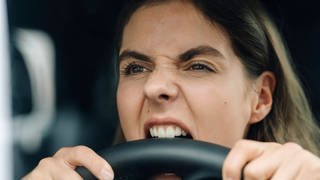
<point>106,175</point>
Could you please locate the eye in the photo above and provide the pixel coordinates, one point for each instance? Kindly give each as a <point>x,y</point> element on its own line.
<point>133,69</point>
<point>198,66</point>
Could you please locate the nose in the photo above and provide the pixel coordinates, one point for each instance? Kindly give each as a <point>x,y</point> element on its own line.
<point>161,87</point>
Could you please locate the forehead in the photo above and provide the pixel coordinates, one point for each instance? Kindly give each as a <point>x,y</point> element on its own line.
<point>174,26</point>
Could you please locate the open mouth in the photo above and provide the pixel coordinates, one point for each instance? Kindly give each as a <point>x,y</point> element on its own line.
<point>167,131</point>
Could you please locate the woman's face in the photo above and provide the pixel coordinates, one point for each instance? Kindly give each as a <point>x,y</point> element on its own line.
<point>178,71</point>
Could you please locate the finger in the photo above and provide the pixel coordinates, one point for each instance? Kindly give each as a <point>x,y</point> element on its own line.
<point>275,158</point>
<point>243,152</point>
<point>50,168</point>
<point>288,170</point>
<point>58,170</point>
<point>84,156</point>
<point>302,165</point>
<point>311,168</point>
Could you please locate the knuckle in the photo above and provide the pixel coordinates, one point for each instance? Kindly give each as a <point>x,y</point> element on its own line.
<point>241,143</point>
<point>81,148</point>
<point>45,162</point>
<point>292,146</point>
<point>62,150</point>
<point>274,144</point>
<point>230,169</point>
<point>250,172</point>
<point>76,151</point>
<point>80,151</point>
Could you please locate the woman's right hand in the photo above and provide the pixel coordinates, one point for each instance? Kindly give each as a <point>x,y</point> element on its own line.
<point>63,164</point>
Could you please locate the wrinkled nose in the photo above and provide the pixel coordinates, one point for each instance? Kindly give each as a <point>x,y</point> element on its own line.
<point>160,87</point>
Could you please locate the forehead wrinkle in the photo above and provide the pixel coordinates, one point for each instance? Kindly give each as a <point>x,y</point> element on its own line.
<point>170,65</point>
<point>164,57</point>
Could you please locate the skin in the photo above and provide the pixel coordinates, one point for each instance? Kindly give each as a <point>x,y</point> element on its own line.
<point>216,100</point>
<point>201,99</point>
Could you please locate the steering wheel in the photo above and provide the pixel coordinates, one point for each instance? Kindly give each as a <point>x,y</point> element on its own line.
<point>188,159</point>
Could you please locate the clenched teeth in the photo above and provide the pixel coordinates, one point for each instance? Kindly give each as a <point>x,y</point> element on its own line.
<point>166,131</point>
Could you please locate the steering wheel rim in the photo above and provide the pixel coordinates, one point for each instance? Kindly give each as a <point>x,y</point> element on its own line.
<point>189,159</point>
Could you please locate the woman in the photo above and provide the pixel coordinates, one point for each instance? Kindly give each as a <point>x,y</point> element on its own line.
<point>210,70</point>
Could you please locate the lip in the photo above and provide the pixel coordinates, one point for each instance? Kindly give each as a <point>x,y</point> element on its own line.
<point>165,121</point>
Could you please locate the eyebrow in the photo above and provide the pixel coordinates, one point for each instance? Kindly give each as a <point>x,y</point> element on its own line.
<point>200,50</point>
<point>127,54</point>
<point>187,55</point>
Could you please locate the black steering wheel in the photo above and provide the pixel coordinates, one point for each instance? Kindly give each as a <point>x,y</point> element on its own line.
<point>188,159</point>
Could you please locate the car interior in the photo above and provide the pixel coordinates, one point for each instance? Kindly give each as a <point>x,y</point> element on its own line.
<point>63,76</point>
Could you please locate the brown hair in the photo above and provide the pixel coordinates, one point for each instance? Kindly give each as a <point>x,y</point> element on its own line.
<point>258,44</point>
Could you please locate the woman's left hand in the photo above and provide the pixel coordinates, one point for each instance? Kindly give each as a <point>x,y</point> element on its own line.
<point>266,160</point>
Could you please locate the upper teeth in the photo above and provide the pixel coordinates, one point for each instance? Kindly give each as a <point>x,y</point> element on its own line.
<point>166,131</point>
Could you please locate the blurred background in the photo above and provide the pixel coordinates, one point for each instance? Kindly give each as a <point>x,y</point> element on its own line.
<point>62,76</point>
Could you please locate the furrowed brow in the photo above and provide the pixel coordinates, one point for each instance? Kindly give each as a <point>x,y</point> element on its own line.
<point>128,54</point>
<point>200,50</point>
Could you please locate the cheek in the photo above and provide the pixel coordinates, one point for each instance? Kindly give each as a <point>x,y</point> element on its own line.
<point>129,98</point>
<point>215,106</point>
<point>220,110</point>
